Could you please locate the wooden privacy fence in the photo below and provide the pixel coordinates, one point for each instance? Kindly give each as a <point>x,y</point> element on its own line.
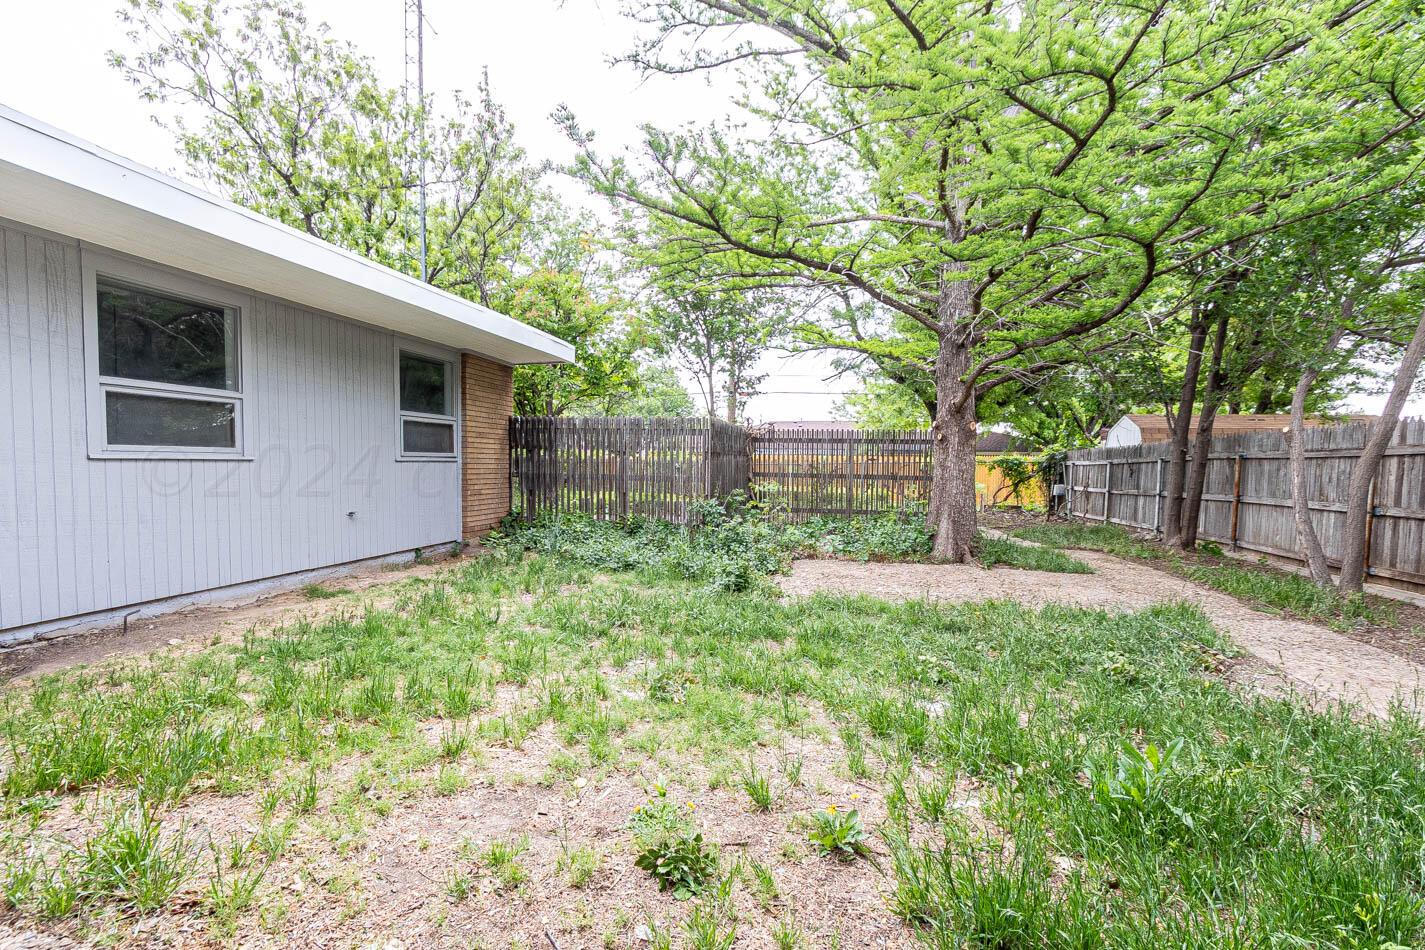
<point>1246,501</point>
<point>617,467</point>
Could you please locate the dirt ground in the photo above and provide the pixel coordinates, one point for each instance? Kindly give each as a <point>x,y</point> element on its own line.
<point>1310,658</point>
<point>387,883</point>
<point>195,627</point>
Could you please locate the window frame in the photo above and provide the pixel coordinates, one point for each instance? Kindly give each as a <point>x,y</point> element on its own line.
<point>142,276</point>
<point>450,360</point>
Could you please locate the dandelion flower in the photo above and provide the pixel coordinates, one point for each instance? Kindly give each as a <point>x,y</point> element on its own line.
<point>831,809</point>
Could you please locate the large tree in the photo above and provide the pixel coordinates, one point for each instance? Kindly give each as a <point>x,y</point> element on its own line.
<point>1012,178</point>
<point>272,111</point>
<point>717,337</point>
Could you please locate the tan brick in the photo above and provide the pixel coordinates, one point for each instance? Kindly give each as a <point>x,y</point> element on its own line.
<point>487,402</point>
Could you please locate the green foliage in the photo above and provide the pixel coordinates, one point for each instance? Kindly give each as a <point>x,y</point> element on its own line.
<point>883,404</point>
<point>680,863</point>
<point>1018,196</point>
<point>1109,539</point>
<point>716,337</point>
<point>757,787</point>
<point>894,536</point>
<point>271,111</point>
<point>570,305</point>
<point>1261,586</point>
<point>837,833</point>
<point>1291,593</point>
<point>1136,783</point>
<point>659,818</point>
<point>659,394</point>
<point>993,552</point>
<point>129,861</point>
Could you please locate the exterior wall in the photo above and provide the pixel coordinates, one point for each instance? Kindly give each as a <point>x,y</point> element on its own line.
<point>320,484</point>
<point>487,402</point>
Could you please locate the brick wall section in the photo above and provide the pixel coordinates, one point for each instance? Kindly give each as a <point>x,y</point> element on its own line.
<point>487,393</point>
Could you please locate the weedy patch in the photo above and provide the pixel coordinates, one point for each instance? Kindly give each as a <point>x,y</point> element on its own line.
<point>1121,794</point>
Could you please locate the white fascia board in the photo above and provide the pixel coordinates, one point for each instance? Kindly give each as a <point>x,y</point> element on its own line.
<point>53,181</point>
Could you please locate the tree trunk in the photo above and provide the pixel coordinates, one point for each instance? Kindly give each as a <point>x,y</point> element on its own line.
<point>1202,443</point>
<point>1363,473</point>
<point>953,434</point>
<point>1306,537</point>
<point>1177,457</point>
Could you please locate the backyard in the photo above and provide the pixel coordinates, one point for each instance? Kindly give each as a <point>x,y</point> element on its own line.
<point>644,736</point>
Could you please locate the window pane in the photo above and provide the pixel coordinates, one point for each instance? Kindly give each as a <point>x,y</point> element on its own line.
<point>152,336</point>
<point>428,437</point>
<point>423,385</point>
<point>157,420</point>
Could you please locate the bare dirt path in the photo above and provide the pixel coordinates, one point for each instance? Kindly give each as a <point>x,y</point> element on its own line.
<point>1310,658</point>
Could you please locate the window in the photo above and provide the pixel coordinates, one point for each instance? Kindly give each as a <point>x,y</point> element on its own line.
<point>157,338</point>
<point>427,401</point>
<point>164,359</point>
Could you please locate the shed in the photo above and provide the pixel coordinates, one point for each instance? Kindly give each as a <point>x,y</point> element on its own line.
<point>1143,428</point>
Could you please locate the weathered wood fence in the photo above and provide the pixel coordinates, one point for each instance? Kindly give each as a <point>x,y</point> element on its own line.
<point>1246,502</point>
<point>619,467</point>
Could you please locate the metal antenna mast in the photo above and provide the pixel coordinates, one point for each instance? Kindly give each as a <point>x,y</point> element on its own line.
<point>416,35</point>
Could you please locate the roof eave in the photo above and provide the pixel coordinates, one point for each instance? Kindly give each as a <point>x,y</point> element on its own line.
<point>53,181</point>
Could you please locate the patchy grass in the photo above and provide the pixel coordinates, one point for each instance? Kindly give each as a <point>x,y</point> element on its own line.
<point>993,552</point>
<point>1109,539</point>
<point>1016,778</point>
<point>1259,585</point>
<point>1289,593</point>
<point>322,592</point>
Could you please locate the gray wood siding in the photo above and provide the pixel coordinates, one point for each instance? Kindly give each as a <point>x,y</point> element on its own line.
<point>80,534</point>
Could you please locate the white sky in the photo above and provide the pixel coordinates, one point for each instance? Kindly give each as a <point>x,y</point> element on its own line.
<point>540,53</point>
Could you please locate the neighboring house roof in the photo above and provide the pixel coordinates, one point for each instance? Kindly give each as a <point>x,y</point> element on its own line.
<point>990,442</point>
<point>54,181</point>
<point>810,425</point>
<point>1154,427</point>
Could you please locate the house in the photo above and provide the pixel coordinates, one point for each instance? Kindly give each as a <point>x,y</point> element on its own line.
<point>197,401</point>
<point>1143,428</point>
<point>822,445</point>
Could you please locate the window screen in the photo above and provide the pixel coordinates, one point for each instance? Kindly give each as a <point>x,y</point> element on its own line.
<point>427,438</point>
<point>135,419</point>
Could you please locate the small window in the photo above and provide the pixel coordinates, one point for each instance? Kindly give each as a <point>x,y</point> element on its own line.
<point>425,387</point>
<point>167,366</point>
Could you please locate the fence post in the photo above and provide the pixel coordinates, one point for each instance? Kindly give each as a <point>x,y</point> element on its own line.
<point>1370,523</point>
<point>1236,496</point>
<point>1158,499</point>
<point>1107,489</point>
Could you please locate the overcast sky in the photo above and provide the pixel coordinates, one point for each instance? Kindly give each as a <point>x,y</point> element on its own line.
<point>540,54</point>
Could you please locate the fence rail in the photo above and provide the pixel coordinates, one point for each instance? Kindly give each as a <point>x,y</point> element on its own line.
<point>1246,501</point>
<point>656,468</point>
<point>620,467</point>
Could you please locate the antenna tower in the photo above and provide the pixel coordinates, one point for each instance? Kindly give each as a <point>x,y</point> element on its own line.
<point>415,88</point>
